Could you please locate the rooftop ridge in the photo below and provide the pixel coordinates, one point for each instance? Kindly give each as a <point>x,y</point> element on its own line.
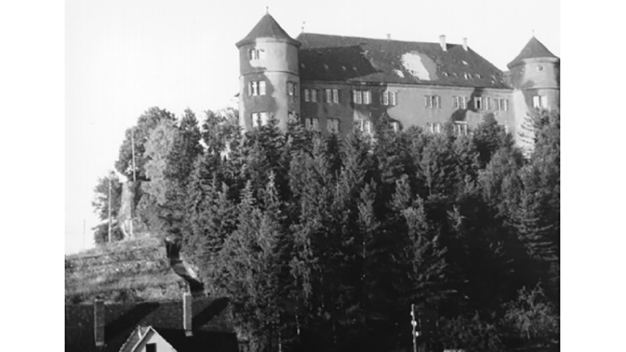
<point>372,39</point>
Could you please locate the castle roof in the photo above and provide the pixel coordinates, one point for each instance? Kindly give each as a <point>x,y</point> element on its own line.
<point>354,59</point>
<point>533,49</point>
<point>211,327</point>
<point>267,28</point>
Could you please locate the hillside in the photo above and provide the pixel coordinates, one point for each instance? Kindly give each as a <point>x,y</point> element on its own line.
<point>127,271</point>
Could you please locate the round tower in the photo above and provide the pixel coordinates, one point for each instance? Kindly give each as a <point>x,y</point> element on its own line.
<point>269,81</point>
<point>535,79</point>
<point>535,72</point>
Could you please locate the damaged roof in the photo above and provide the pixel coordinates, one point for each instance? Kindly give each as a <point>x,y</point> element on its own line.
<point>533,49</point>
<point>353,59</point>
<point>267,28</point>
<point>210,325</point>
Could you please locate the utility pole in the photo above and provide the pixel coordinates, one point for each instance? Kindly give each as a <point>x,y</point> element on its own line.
<point>110,175</point>
<point>132,201</point>
<point>414,324</point>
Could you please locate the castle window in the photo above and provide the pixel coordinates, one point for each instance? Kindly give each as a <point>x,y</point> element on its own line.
<point>504,105</point>
<point>478,103</point>
<point>459,102</point>
<point>259,119</point>
<point>487,103</point>
<point>329,95</point>
<point>312,123</point>
<point>366,127</point>
<point>336,96</point>
<point>254,54</point>
<point>432,101</point>
<point>307,95</point>
<point>434,127</point>
<point>389,98</point>
<point>460,128</point>
<point>367,97</point>
<point>357,97</point>
<point>540,101</point>
<point>256,88</point>
<point>262,88</point>
<point>314,95</point>
<point>332,125</point>
<point>393,98</point>
<point>292,89</point>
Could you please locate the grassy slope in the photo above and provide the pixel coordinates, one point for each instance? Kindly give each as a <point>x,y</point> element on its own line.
<point>127,271</point>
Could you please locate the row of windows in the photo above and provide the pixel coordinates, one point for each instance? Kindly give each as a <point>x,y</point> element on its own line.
<point>256,88</point>
<point>333,96</point>
<point>460,102</point>
<point>312,123</point>
<point>460,128</point>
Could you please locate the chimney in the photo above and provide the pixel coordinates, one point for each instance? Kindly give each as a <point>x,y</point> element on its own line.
<point>187,313</point>
<point>98,321</point>
<point>465,44</point>
<point>442,42</point>
<point>388,36</point>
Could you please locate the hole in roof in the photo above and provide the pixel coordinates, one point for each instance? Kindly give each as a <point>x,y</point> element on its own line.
<point>354,68</point>
<point>478,75</point>
<point>326,67</point>
<point>343,68</point>
<point>399,73</point>
<point>445,73</point>
<point>302,65</point>
<point>464,62</point>
<point>465,75</point>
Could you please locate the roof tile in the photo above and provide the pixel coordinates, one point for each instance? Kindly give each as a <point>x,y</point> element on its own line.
<point>323,57</point>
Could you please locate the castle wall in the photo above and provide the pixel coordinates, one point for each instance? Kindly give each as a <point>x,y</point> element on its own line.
<point>410,109</point>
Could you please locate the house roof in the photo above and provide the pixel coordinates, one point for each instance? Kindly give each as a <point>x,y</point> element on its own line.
<point>353,59</point>
<point>211,327</point>
<point>267,28</point>
<point>533,49</point>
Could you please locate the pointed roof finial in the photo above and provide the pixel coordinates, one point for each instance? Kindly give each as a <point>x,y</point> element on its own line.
<point>303,23</point>
<point>533,32</point>
<point>267,10</point>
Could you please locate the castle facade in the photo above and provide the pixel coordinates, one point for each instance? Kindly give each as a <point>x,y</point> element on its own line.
<point>333,83</point>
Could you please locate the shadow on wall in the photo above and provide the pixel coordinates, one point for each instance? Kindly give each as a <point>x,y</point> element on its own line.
<point>130,319</point>
<point>472,114</point>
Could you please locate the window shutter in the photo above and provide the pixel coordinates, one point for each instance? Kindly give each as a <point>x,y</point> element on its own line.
<point>249,88</point>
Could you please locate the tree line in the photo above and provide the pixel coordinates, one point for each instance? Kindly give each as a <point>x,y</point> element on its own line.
<point>324,242</point>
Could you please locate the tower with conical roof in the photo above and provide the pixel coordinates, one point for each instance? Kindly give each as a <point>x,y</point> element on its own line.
<point>535,78</point>
<point>269,82</point>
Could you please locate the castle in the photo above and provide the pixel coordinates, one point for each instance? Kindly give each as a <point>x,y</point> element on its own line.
<point>334,83</point>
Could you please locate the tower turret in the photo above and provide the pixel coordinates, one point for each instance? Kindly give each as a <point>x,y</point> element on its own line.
<point>269,82</point>
<point>535,77</point>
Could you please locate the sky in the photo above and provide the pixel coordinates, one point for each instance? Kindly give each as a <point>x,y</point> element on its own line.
<point>123,57</point>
